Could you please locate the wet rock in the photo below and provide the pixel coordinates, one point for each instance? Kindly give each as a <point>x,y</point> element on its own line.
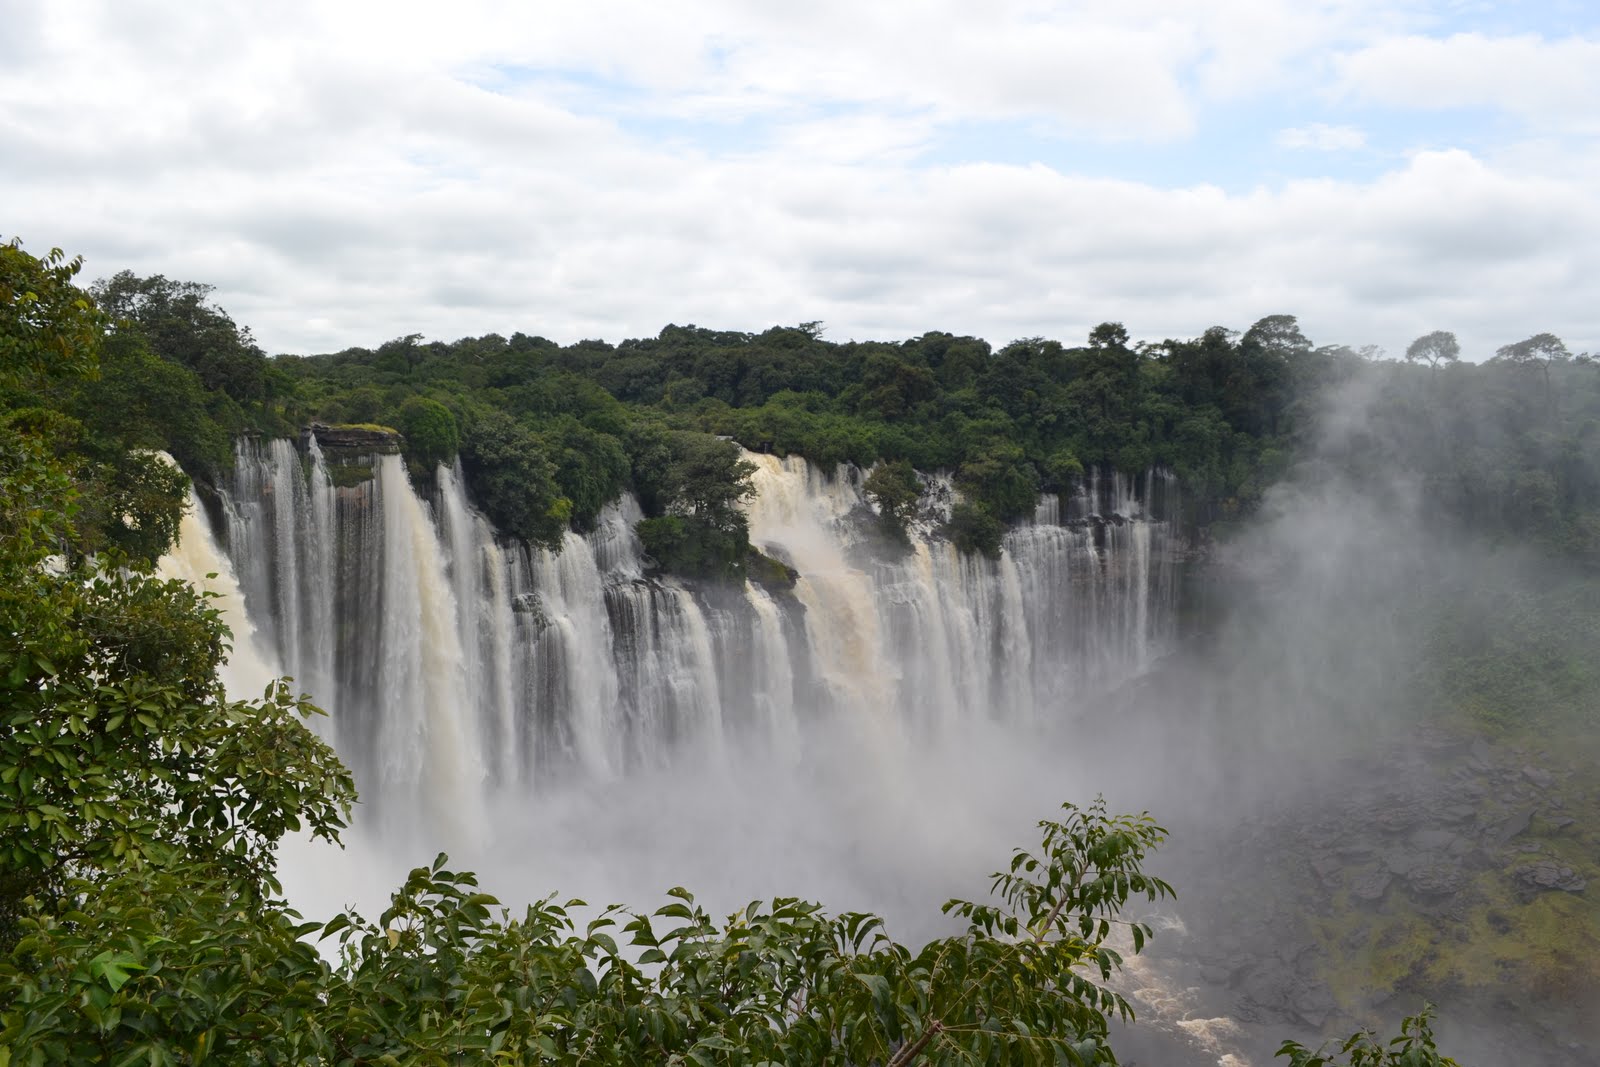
<point>1432,840</point>
<point>1436,880</point>
<point>1372,885</point>
<point>531,605</point>
<point>1542,779</point>
<point>1546,875</point>
<point>1313,1003</point>
<point>1397,818</point>
<point>1402,862</point>
<point>1328,867</point>
<point>1515,825</point>
<point>1274,991</point>
<point>1356,938</point>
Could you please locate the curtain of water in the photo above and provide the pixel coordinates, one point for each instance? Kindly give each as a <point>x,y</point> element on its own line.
<point>453,662</point>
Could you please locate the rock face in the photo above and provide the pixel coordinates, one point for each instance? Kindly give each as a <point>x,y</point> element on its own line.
<point>1546,875</point>
<point>1371,886</point>
<point>1364,885</point>
<point>363,440</point>
<point>1542,779</point>
<point>1515,825</point>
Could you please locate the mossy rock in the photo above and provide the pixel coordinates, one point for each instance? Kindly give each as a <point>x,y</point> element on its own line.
<point>1495,938</point>
<point>358,437</point>
<point>365,427</point>
<point>349,475</point>
<point>770,574</point>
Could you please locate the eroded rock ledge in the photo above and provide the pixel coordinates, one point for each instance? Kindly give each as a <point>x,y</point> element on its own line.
<point>366,439</point>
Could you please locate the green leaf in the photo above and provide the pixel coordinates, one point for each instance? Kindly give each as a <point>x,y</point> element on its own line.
<point>113,968</point>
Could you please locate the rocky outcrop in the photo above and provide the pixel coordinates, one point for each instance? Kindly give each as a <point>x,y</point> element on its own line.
<point>350,451</point>
<point>1394,882</point>
<point>366,440</point>
<point>1545,875</point>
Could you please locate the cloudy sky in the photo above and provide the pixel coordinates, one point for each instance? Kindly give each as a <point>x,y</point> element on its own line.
<point>349,172</point>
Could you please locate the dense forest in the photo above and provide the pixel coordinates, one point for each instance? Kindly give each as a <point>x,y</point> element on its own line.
<point>140,807</point>
<point>548,434</point>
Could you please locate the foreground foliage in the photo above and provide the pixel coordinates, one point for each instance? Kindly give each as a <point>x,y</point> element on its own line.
<point>169,964</point>
<point>118,746</point>
<point>1414,1047</point>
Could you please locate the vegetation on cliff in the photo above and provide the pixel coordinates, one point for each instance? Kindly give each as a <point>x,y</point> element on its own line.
<point>548,434</point>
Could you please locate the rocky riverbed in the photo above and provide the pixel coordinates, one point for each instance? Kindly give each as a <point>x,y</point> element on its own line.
<point>1454,869</point>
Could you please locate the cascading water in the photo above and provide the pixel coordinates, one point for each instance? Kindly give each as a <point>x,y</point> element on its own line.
<point>941,637</point>
<point>576,723</point>
<point>198,560</point>
<point>454,664</point>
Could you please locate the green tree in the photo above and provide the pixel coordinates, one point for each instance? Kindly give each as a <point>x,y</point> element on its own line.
<point>1436,349</point>
<point>50,339</point>
<point>181,324</point>
<point>140,400</point>
<point>1414,1047</point>
<point>1542,351</point>
<point>706,478</point>
<point>117,744</point>
<point>974,528</point>
<point>1062,471</point>
<point>168,964</point>
<point>513,480</point>
<point>430,432</point>
<point>699,489</point>
<point>895,489</point>
<point>1001,479</point>
<point>591,467</point>
<point>48,327</point>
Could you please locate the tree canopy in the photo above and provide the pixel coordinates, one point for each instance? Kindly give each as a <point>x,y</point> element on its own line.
<point>547,434</point>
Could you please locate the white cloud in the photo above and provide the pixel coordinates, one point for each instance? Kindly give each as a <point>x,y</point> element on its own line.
<point>344,177</point>
<point>1545,82</point>
<point>1323,138</point>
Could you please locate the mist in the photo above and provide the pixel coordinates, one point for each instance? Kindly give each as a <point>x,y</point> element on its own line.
<point>1338,755</point>
<point>1301,704</point>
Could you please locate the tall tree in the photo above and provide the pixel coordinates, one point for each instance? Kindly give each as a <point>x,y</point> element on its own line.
<point>181,324</point>
<point>48,326</point>
<point>1541,352</point>
<point>1436,349</point>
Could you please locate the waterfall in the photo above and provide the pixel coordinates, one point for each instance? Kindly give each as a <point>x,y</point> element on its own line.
<point>198,560</point>
<point>280,532</point>
<point>427,735</point>
<point>454,664</point>
<point>938,637</point>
